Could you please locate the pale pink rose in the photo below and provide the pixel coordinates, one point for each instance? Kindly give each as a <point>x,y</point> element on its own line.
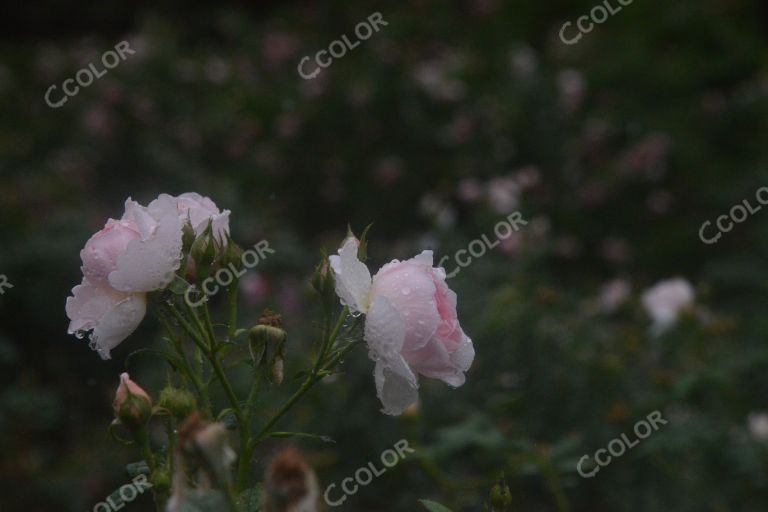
<point>199,210</point>
<point>121,263</point>
<point>149,263</point>
<point>411,325</point>
<point>665,301</point>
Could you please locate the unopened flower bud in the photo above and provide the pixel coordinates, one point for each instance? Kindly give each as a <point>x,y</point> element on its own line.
<point>133,407</point>
<point>267,344</point>
<point>161,481</point>
<point>501,498</point>
<point>232,255</point>
<point>362,247</point>
<point>324,283</point>
<point>273,335</point>
<point>187,237</point>
<point>203,249</point>
<point>179,402</point>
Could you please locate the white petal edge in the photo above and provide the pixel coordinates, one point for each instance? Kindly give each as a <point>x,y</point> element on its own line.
<point>118,323</point>
<point>353,279</point>
<point>396,392</point>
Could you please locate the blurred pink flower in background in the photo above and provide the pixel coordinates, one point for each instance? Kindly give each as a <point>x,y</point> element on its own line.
<point>255,288</point>
<point>757,424</point>
<point>614,294</point>
<point>666,300</point>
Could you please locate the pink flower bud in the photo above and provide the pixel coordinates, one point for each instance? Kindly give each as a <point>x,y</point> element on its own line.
<point>133,407</point>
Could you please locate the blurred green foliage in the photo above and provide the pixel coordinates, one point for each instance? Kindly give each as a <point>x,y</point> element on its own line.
<point>615,150</point>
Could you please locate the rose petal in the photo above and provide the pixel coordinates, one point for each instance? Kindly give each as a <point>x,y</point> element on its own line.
<point>111,315</point>
<point>384,329</point>
<point>353,280</point>
<point>118,323</point>
<point>149,264</point>
<point>396,392</point>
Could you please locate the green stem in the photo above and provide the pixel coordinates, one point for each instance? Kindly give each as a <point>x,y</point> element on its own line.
<point>252,395</point>
<point>336,358</point>
<point>200,342</point>
<point>553,484</point>
<point>142,438</point>
<point>231,497</point>
<point>243,464</point>
<point>284,409</point>
<point>201,330</point>
<point>209,327</point>
<point>233,309</point>
<point>200,388</point>
<point>329,339</point>
<point>308,383</point>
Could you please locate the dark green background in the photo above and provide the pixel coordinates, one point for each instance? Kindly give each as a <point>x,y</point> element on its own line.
<point>653,123</point>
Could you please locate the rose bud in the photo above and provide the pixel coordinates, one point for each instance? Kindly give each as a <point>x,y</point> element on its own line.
<point>187,237</point>
<point>203,249</point>
<point>324,284</point>
<point>133,407</point>
<point>233,255</point>
<point>179,402</point>
<point>267,344</point>
<point>501,498</point>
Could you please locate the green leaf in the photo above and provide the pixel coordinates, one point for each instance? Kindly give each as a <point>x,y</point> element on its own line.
<point>433,506</point>
<point>250,499</point>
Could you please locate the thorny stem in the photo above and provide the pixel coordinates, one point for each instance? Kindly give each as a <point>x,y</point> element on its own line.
<point>200,387</point>
<point>233,308</point>
<point>308,383</point>
<point>203,335</point>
